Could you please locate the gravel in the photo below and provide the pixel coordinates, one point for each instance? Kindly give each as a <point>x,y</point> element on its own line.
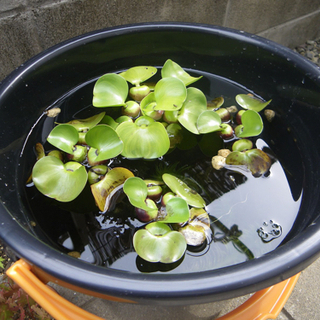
<point>310,50</point>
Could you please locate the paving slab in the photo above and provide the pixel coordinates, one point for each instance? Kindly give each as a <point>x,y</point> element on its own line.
<point>303,304</point>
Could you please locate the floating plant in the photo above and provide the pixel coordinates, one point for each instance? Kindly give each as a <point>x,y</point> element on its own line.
<point>135,76</point>
<point>250,102</point>
<point>110,90</point>
<point>183,190</point>
<point>64,137</point>
<point>195,104</point>
<point>257,161</point>
<point>83,125</point>
<point>172,69</point>
<point>251,125</point>
<point>104,148</point>
<point>105,189</point>
<point>169,94</point>
<point>145,138</point>
<point>58,180</point>
<point>158,243</point>
<point>137,191</point>
<point>153,120</point>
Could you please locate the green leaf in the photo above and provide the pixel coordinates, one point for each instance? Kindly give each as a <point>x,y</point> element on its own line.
<point>63,182</point>
<point>144,138</point>
<point>177,211</point>
<point>104,190</point>
<point>194,105</point>
<point>183,190</point>
<point>158,243</point>
<point>64,137</point>
<point>148,104</point>
<point>86,124</point>
<point>157,228</point>
<point>250,102</point>
<point>110,90</point>
<point>105,140</point>
<point>137,191</point>
<point>124,119</point>
<point>109,121</point>
<point>257,161</point>
<point>242,145</point>
<point>169,93</point>
<point>136,75</point>
<point>252,125</point>
<point>172,69</point>
<point>208,121</point>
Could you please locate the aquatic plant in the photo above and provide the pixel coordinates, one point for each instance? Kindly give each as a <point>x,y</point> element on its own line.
<point>155,119</point>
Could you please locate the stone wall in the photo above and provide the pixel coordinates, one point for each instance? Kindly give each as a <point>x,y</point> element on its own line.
<point>30,26</point>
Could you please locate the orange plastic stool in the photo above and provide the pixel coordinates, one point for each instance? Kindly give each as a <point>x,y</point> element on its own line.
<point>264,304</point>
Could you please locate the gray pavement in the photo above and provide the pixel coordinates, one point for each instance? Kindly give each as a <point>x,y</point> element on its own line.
<point>303,304</point>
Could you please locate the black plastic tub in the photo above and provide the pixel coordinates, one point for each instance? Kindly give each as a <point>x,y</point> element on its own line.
<point>268,69</point>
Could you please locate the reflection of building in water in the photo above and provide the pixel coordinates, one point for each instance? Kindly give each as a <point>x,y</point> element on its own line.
<point>111,244</point>
<point>214,183</point>
<point>90,242</point>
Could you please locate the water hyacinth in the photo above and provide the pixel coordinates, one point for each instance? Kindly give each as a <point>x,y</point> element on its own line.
<point>153,120</point>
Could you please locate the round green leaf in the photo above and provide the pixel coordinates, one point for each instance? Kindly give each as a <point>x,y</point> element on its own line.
<point>183,190</point>
<point>208,121</point>
<point>85,124</point>
<point>194,105</point>
<point>63,182</point>
<point>144,138</point>
<point>169,93</point>
<point>177,211</point>
<point>136,75</point>
<point>64,137</point>
<point>172,69</point>
<point>166,247</point>
<point>104,190</point>
<point>252,125</point>
<point>105,140</point>
<point>137,191</point>
<point>110,90</point>
<point>251,103</point>
<point>242,145</point>
<point>157,228</point>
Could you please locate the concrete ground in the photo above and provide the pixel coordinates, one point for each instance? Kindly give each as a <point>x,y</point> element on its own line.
<point>303,304</point>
